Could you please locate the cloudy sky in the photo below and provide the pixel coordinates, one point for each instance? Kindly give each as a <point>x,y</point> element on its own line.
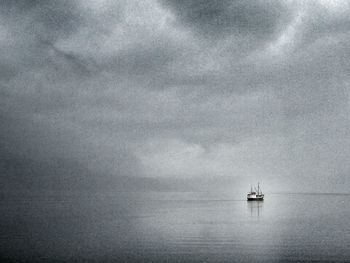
<point>156,94</point>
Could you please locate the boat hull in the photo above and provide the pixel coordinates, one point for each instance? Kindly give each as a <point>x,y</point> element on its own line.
<point>255,199</point>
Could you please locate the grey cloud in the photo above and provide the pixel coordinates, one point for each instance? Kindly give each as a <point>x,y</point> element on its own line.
<point>49,155</point>
<point>79,66</point>
<point>147,60</point>
<point>324,23</point>
<point>6,72</point>
<point>45,20</point>
<point>30,24</point>
<point>259,19</point>
<point>117,84</point>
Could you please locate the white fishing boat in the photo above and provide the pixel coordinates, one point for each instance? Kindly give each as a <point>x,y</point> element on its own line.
<point>255,195</point>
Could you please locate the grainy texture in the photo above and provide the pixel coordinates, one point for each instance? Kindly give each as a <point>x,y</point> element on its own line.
<point>166,95</point>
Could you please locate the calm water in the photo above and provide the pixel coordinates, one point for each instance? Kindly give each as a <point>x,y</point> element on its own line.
<point>175,227</point>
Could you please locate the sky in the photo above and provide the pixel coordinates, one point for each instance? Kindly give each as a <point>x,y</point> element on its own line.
<point>160,95</point>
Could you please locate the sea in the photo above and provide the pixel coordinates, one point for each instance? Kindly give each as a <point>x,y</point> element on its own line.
<point>174,227</point>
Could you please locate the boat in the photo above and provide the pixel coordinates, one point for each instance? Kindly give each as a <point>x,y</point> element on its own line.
<point>256,195</point>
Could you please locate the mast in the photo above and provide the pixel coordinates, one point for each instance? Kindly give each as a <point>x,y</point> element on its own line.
<point>258,189</point>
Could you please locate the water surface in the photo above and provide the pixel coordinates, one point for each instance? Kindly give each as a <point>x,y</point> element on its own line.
<point>176,227</point>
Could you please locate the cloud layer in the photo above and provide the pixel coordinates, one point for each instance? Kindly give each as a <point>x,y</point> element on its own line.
<point>168,89</point>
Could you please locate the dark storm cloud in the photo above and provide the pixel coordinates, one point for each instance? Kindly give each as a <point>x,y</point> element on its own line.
<point>145,60</point>
<point>6,72</point>
<point>40,81</point>
<point>217,78</point>
<point>45,20</point>
<point>256,18</point>
<point>29,25</point>
<point>78,65</point>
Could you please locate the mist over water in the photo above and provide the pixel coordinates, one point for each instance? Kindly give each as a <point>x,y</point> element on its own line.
<point>176,227</point>
<point>131,130</point>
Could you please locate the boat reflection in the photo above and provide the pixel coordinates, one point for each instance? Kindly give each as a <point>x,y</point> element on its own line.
<point>255,208</point>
